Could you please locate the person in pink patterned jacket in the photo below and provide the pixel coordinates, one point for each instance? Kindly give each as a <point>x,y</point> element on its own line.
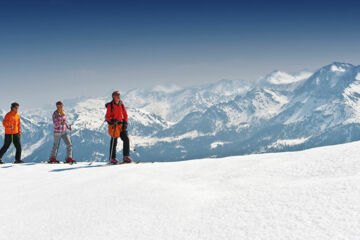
<point>60,132</point>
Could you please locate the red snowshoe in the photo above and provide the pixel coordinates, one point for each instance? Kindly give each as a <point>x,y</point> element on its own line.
<point>127,159</point>
<point>114,161</point>
<point>70,161</point>
<point>53,160</point>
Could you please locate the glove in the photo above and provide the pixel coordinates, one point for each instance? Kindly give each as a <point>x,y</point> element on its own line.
<point>124,128</point>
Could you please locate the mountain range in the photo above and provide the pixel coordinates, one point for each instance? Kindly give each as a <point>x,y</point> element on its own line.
<point>280,112</point>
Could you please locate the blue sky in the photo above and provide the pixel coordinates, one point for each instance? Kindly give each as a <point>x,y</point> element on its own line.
<point>60,49</point>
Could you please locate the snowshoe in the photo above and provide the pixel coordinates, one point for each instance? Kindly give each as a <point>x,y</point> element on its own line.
<point>53,160</point>
<point>18,161</point>
<point>70,161</point>
<point>127,159</point>
<point>114,161</point>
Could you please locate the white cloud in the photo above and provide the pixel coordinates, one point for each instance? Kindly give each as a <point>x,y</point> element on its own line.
<point>167,89</point>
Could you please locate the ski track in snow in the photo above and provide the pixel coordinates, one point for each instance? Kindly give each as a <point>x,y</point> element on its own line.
<point>313,194</point>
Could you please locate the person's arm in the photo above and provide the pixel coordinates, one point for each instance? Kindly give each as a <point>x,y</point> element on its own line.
<point>125,113</point>
<point>108,114</point>
<point>6,121</point>
<point>66,124</point>
<point>56,121</point>
<point>64,120</point>
<point>125,117</point>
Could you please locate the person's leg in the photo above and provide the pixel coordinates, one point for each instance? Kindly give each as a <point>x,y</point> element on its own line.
<point>17,143</point>
<point>5,147</point>
<point>126,143</point>
<point>113,145</point>
<point>68,143</point>
<point>55,148</point>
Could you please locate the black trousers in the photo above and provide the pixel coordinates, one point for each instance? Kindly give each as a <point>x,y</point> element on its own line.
<point>126,145</point>
<point>15,138</point>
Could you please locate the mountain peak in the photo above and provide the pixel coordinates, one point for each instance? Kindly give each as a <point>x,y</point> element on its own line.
<point>280,78</point>
<point>341,64</point>
<point>335,69</point>
<point>338,67</point>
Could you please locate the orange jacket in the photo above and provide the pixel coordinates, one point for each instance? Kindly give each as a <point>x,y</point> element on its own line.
<point>12,123</point>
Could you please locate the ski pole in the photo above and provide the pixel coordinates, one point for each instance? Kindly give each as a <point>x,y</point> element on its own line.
<point>72,146</point>
<point>102,124</point>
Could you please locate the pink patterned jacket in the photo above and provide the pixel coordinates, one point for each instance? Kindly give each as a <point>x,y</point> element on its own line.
<point>57,120</point>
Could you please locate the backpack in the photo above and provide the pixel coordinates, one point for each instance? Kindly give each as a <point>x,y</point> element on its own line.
<point>112,106</point>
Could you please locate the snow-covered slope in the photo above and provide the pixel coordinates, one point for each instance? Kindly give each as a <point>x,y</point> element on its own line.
<point>312,195</point>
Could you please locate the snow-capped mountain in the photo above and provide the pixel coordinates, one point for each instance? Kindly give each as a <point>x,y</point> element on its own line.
<point>175,105</point>
<point>278,113</point>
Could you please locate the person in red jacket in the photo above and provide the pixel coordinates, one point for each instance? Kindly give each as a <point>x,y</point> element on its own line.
<point>12,133</point>
<point>116,114</point>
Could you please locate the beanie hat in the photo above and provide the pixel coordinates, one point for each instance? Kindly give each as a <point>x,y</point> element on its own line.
<point>116,93</point>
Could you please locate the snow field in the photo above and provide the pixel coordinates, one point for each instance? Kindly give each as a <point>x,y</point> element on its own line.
<point>313,194</point>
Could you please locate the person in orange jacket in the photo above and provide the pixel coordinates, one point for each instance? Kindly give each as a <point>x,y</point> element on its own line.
<point>116,114</point>
<point>12,133</point>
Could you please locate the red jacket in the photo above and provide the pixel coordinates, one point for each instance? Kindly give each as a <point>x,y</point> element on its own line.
<point>117,112</point>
